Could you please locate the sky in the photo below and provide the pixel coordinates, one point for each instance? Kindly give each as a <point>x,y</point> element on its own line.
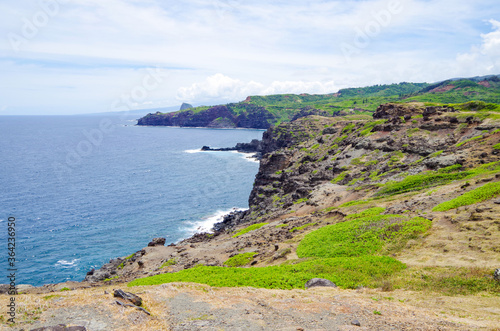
<point>87,56</point>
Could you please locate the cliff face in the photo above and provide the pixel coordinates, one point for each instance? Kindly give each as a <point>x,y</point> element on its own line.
<point>214,117</point>
<point>353,158</point>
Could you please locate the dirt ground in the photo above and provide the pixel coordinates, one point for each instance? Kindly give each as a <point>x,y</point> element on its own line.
<point>186,306</point>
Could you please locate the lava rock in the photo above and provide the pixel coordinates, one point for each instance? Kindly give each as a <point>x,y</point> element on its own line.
<point>319,282</point>
<point>131,297</point>
<point>496,275</point>
<point>157,242</point>
<point>356,323</point>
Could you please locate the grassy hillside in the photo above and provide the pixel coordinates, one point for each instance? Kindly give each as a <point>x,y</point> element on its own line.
<point>286,107</point>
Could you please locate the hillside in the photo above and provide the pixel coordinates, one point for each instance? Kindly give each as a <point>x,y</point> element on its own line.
<point>261,112</point>
<point>399,208</point>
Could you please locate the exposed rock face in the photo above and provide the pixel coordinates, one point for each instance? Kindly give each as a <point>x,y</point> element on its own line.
<point>215,117</point>
<point>157,242</point>
<point>319,282</point>
<point>392,110</point>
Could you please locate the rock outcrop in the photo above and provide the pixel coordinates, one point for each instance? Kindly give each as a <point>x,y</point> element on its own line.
<point>215,117</point>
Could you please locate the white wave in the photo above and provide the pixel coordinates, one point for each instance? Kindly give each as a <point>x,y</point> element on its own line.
<point>191,151</point>
<point>206,223</point>
<point>67,264</point>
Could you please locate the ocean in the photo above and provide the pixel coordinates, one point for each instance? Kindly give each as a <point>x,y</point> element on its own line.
<point>86,189</point>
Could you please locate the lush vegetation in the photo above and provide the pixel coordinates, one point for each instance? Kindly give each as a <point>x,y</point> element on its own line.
<point>240,259</point>
<point>465,95</point>
<point>344,272</point>
<point>479,194</point>
<point>249,228</point>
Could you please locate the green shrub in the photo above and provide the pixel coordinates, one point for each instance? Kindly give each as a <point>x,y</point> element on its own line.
<point>240,259</point>
<point>479,194</point>
<point>345,272</point>
<point>497,146</point>
<point>249,228</point>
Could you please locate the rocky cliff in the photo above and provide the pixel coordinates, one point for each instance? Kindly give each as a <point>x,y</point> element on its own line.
<point>213,117</point>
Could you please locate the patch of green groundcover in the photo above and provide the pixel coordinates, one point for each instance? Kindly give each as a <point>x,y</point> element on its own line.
<point>249,228</point>
<point>345,272</point>
<point>485,192</point>
<point>240,259</point>
<point>436,178</point>
<point>362,236</point>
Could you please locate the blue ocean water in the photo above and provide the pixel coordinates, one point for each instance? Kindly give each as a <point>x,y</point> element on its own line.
<point>85,189</point>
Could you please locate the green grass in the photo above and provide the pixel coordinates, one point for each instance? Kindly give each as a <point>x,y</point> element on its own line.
<point>296,202</point>
<point>469,140</point>
<point>64,289</point>
<point>421,181</point>
<point>447,280</point>
<point>298,228</point>
<point>168,263</point>
<point>355,203</point>
<point>110,279</point>
<point>344,272</point>
<point>249,228</point>
<point>497,146</point>
<point>367,212</point>
<point>240,260</point>
<point>362,236</point>
<point>485,192</point>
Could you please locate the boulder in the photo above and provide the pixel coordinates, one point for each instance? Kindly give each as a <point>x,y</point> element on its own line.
<point>157,242</point>
<point>319,282</point>
<point>496,275</point>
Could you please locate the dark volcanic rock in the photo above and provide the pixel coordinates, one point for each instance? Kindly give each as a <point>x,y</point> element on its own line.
<point>131,297</point>
<point>157,242</point>
<point>319,282</point>
<point>230,221</point>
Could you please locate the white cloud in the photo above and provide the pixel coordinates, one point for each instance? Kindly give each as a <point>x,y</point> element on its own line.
<point>221,87</point>
<point>260,47</point>
<point>485,58</point>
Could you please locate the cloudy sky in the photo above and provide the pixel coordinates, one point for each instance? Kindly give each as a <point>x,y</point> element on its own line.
<point>85,56</point>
